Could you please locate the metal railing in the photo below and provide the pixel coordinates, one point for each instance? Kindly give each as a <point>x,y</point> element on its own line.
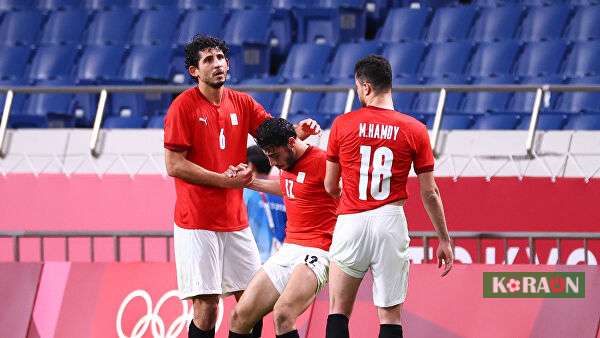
<point>425,236</point>
<point>104,91</point>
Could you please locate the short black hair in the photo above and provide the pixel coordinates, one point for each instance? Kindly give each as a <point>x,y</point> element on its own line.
<point>376,70</point>
<point>258,159</point>
<point>274,132</point>
<point>199,43</point>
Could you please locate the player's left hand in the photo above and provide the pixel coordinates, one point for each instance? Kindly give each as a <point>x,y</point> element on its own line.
<point>232,171</point>
<point>444,253</point>
<point>306,128</point>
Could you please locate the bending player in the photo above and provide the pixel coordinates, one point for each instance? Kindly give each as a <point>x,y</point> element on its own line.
<point>290,279</point>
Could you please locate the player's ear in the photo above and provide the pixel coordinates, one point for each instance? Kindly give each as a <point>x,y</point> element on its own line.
<point>291,142</point>
<point>193,70</point>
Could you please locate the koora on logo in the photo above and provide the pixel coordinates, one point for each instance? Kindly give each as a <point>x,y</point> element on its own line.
<point>534,284</point>
<point>153,319</point>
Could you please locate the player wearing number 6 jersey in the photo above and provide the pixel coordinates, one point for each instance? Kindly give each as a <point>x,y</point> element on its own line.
<point>290,279</point>
<point>372,149</point>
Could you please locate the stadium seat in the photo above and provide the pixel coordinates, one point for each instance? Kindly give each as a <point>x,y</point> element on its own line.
<point>542,3</point>
<point>522,102</point>
<point>446,59</point>
<point>497,23</point>
<point>331,22</point>
<point>155,27</point>
<point>11,5</point>
<point>404,58</point>
<point>334,103</point>
<point>584,25</point>
<point>151,4</point>
<point>110,27</point>
<point>156,122</point>
<point>544,122</point>
<point>404,24</point>
<point>494,58</point>
<point>45,110</point>
<point>52,5</point>
<point>403,100</point>
<point>541,59</point>
<point>426,102</point>
<point>65,27</point>
<point>485,101</point>
<point>266,99</point>
<point>584,60</point>
<point>451,23</point>
<point>53,63</point>
<point>248,26</point>
<point>281,34</point>
<point>99,64</point>
<point>584,122</point>
<point>147,64</point>
<point>18,99</point>
<point>20,28</point>
<point>199,4</point>
<point>126,105</point>
<point>83,108</point>
<point>117,122</point>
<point>545,23</point>
<point>452,121</point>
<point>347,55</point>
<point>247,4</point>
<point>206,21</point>
<point>578,102</point>
<point>306,60</point>
<point>302,102</point>
<point>500,121</point>
<point>178,72</point>
<point>13,62</point>
<point>105,4</point>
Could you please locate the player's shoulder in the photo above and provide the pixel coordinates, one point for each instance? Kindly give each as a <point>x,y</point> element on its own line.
<point>237,95</point>
<point>186,97</point>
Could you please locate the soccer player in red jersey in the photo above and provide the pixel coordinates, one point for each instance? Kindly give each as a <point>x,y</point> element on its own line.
<point>372,149</point>
<point>206,131</point>
<point>290,279</point>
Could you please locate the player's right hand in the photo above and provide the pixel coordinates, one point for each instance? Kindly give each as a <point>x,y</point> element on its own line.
<point>239,177</point>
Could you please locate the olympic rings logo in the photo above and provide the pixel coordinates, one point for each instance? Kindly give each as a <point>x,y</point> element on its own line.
<point>153,320</point>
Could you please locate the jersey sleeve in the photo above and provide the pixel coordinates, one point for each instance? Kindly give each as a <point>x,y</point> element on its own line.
<point>178,136</point>
<point>333,147</point>
<point>423,155</point>
<point>257,114</point>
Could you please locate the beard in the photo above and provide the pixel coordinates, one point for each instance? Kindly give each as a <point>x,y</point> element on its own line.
<point>216,85</point>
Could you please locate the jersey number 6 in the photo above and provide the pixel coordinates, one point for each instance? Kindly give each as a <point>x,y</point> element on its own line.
<point>381,174</point>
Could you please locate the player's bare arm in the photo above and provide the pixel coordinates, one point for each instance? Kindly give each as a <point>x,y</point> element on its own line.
<point>332,179</point>
<point>432,202</point>
<point>265,185</point>
<point>178,166</point>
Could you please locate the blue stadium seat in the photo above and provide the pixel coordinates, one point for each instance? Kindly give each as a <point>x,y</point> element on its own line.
<point>541,59</point>
<point>126,105</point>
<point>99,64</point>
<point>306,60</point>
<point>446,59</point>
<point>404,24</point>
<point>10,5</point>
<point>207,21</point>
<point>117,122</point>
<point>199,4</point>
<point>83,109</point>
<point>452,121</point>
<point>331,21</point>
<point>494,58</point>
<point>266,99</point>
<point>21,28</point>
<point>247,4</point>
<point>403,100</point>
<point>426,102</point>
<point>155,27</point>
<point>51,5</point>
<point>404,58</point>
<point>578,102</point>
<point>499,23</point>
<point>248,26</point>
<point>150,4</point>
<point>500,122</point>
<point>451,23</point>
<point>333,103</point>
<point>156,122</point>
<point>584,25</point>
<point>584,60</point>
<point>541,3</point>
<point>147,64</point>
<point>302,102</point>
<point>281,35</point>
<point>347,55</point>
<point>545,23</point>
<point>522,102</point>
<point>179,74</point>
<point>584,122</point>
<point>486,102</point>
<point>105,4</point>
<point>110,27</point>
<point>53,63</point>
<point>45,110</point>
<point>65,27</point>
<point>13,62</point>
<point>544,122</point>
<point>18,99</point>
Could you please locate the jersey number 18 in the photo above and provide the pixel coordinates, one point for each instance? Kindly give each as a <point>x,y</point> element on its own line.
<point>380,177</point>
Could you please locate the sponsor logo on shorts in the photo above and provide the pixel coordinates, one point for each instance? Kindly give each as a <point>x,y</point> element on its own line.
<point>534,284</point>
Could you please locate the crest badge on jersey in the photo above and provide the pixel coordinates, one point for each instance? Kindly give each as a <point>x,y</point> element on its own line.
<point>234,119</point>
<point>301,176</point>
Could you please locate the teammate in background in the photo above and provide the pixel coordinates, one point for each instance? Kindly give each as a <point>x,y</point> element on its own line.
<point>206,130</point>
<point>260,215</point>
<point>290,279</point>
<point>372,149</point>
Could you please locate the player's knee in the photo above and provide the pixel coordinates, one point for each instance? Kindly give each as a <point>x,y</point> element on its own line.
<point>283,316</point>
<point>206,311</point>
<point>240,318</point>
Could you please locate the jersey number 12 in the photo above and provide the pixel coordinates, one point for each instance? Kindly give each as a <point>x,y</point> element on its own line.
<point>380,176</point>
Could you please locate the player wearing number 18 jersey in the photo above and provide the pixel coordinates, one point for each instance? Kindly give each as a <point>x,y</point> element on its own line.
<point>372,149</point>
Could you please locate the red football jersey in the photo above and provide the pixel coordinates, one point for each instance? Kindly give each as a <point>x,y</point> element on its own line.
<point>310,209</point>
<point>375,148</point>
<point>214,138</point>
